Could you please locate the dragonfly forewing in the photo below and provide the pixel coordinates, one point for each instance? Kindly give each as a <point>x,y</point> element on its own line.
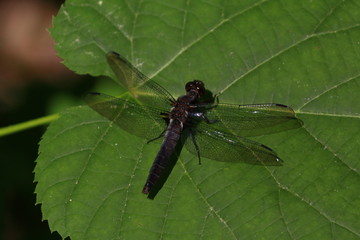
<point>252,119</point>
<point>140,86</point>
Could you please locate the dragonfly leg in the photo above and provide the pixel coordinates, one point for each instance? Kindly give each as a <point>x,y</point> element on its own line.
<point>192,135</point>
<point>202,116</point>
<point>160,136</point>
<point>165,116</point>
<point>208,120</point>
<point>216,97</point>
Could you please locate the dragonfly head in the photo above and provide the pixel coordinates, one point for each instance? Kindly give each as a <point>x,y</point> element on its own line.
<point>197,86</point>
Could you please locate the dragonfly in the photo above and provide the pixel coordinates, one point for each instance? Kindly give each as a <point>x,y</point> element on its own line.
<point>208,129</point>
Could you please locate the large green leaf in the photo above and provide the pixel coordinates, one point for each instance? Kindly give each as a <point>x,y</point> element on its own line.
<point>305,54</point>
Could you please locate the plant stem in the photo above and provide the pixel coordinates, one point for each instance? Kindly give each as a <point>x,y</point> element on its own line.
<point>27,125</point>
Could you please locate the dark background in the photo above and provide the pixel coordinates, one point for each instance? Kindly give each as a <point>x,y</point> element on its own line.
<point>33,84</point>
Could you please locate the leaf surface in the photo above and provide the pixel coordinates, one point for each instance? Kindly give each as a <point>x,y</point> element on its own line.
<point>304,54</point>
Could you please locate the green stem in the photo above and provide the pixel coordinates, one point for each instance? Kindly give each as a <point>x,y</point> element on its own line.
<point>27,125</point>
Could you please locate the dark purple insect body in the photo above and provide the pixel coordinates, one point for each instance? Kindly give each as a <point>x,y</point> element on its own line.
<point>178,117</point>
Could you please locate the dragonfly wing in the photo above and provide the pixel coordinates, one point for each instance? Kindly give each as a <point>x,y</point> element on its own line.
<point>140,86</point>
<point>140,120</point>
<point>252,119</point>
<point>223,147</point>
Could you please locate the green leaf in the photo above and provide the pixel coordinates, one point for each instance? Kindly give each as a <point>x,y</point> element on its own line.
<point>305,54</point>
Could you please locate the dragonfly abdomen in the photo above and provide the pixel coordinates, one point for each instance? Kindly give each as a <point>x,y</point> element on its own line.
<point>168,145</point>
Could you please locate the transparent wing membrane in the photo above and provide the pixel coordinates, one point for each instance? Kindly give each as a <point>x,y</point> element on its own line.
<point>143,89</point>
<point>224,147</point>
<point>140,120</point>
<point>252,119</point>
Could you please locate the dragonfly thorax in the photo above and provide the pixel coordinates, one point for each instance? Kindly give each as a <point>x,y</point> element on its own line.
<point>181,106</point>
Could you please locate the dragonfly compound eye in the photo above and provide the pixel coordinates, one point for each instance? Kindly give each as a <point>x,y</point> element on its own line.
<point>196,85</point>
<point>200,86</point>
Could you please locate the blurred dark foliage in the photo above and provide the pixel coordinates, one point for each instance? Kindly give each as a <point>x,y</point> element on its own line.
<point>20,218</point>
<point>30,76</point>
